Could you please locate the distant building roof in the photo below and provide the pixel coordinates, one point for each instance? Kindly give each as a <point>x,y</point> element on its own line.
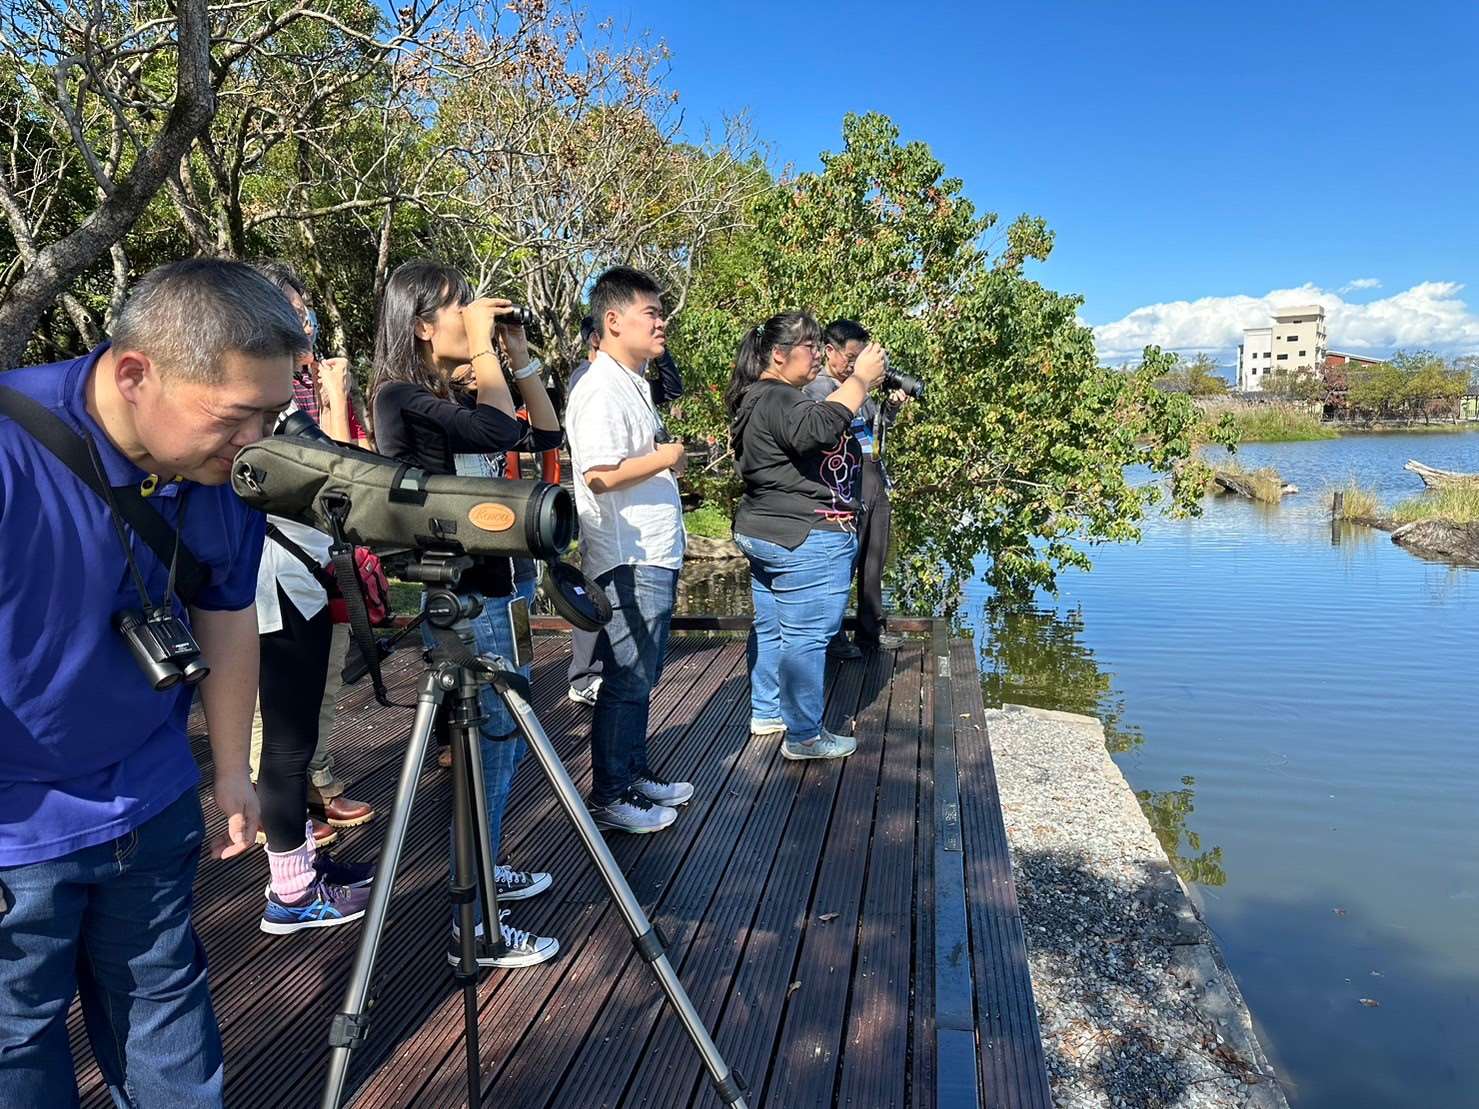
<point>1258,331</point>
<point>1299,310</point>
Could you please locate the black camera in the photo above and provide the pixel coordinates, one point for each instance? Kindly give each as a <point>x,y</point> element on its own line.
<point>162,646</point>
<point>910,386</point>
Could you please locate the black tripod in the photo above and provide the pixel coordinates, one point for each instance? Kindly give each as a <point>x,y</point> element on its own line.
<point>454,669</point>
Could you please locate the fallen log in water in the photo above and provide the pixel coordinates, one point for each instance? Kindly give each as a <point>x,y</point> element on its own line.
<point>1435,478</point>
<point>1441,538</point>
<point>1269,488</point>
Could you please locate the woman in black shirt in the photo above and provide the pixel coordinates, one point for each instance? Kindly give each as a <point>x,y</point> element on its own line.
<point>441,402</point>
<point>796,521</point>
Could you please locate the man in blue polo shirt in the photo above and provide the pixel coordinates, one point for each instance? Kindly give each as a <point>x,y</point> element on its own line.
<point>100,822</point>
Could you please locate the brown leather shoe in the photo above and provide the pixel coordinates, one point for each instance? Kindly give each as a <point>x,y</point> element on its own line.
<point>341,811</point>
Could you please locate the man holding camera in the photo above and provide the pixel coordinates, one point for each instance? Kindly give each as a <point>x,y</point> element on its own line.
<point>843,341</point>
<point>631,543</point>
<point>114,509</point>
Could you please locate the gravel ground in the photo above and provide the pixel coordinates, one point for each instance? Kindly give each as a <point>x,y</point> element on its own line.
<point>1136,1006</point>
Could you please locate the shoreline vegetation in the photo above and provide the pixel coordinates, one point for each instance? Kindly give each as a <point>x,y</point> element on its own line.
<point>1287,422</point>
<point>1440,523</point>
<point>1264,484</point>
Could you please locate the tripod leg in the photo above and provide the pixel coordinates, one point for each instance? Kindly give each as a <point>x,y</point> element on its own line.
<point>464,891</point>
<point>483,861</point>
<point>646,938</point>
<point>348,1029</point>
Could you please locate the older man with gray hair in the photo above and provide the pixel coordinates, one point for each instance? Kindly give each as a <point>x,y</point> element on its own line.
<point>113,499</point>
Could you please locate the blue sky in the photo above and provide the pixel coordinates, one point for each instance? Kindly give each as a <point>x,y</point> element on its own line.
<point>1198,161</point>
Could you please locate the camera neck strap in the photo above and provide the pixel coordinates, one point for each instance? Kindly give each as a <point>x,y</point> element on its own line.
<point>188,576</point>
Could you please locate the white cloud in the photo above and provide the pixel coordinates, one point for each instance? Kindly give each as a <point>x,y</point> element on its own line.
<point>1361,283</point>
<point>1430,315</point>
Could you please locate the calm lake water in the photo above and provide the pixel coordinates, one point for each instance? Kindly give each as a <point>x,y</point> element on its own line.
<point>1301,707</point>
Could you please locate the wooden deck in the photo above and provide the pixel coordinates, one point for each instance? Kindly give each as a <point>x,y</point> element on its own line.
<point>848,931</point>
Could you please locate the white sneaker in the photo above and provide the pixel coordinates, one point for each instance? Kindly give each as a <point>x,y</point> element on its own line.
<point>824,746</point>
<point>586,696</point>
<point>767,729</point>
<point>515,885</point>
<point>660,791</point>
<point>521,948</point>
<point>632,812</point>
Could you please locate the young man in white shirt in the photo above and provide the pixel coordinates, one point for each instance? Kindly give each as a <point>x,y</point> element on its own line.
<point>631,543</point>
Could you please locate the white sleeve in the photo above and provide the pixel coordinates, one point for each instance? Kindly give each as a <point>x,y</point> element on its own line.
<point>599,431</point>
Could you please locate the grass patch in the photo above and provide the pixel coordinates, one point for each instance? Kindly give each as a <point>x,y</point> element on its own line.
<point>709,521</point>
<point>1270,423</point>
<point>405,597</point>
<point>1459,504</point>
<point>1358,503</point>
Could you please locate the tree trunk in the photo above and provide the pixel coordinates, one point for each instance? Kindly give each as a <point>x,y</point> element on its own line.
<point>56,266</point>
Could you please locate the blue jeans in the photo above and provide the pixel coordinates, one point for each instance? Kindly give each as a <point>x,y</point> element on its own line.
<point>800,597</point>
<point>630,649</point>
<point>112,924</point>
<point>494,635</point>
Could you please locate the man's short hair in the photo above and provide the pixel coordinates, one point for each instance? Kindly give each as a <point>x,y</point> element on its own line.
<point>187,315</point>
<point>587,329</point>
<point>615,289</point>
<point>839,333</point>
<point>283,275</point>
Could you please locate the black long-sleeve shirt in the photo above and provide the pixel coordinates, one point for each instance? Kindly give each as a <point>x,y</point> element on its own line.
<point>798,462</point>
<point>417,426</point>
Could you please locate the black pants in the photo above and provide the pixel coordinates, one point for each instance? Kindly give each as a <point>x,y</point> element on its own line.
<point>295,662</point>
<point>873,531</point>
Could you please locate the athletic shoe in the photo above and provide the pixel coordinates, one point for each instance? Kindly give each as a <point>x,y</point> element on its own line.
<point>631,812</point>
<point>660,791</point>
<point>515,885</point>
<point>885,642</point>
<point>586,696</point>
<point>772,728</point>
<point>521,948</point>
<point>332,871</point>
<point>324,906</point>
<point>824,746</point>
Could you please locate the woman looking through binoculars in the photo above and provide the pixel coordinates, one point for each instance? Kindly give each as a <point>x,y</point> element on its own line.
<point>441,402</point>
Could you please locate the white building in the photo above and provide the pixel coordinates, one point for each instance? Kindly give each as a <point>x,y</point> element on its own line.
<point>1255,355</point>
<point>1296,341</point>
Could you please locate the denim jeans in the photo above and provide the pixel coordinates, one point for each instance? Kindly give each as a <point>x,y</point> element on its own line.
<point>111,923</point>
<point>631,652</point>
<point>501,757</point>
<point>800,597</point>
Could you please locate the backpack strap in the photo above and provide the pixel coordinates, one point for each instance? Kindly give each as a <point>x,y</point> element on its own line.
<point>53,433</point>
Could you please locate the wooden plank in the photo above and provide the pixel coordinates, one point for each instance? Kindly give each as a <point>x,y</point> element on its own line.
<point>955,1016</point>
<point>1012,1067</point>
<point>879,1030</point>
<point>922,1003</point>
<point>753,1011</point>
<point>805,1070</point>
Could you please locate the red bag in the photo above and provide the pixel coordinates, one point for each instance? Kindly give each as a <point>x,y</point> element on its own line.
<point>373,584</point>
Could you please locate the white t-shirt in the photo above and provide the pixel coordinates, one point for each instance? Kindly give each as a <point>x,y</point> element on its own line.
<point>609,419</point>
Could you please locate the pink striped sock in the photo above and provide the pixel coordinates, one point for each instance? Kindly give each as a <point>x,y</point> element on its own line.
<point>292,871</point>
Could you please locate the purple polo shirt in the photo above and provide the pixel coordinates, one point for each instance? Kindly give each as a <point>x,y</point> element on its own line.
<point>88,750</point>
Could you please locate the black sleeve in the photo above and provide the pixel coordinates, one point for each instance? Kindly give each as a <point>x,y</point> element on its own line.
<point>540,440</point>
<point>476,429</point>
<point>807,426</point>
<point>668,385</point>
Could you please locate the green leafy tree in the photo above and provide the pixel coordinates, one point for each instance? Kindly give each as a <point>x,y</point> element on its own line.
<point>1298,386</point>
<point>1021,446</point>
<point>1197,378</point>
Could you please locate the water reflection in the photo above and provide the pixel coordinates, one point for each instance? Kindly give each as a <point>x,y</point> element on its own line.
<point>1032,656</point>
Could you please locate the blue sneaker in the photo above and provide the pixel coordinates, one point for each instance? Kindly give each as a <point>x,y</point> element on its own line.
<point>323,906</point>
